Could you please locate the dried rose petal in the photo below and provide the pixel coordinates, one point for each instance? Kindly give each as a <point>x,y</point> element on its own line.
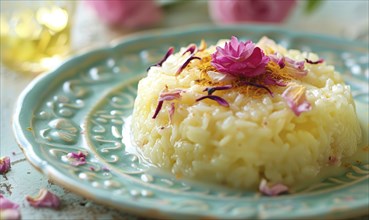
<point>169,52</point>
<point>184,65</point>
<point>296,99</point>
<point>8,209</point>
<point>166,96</point>
<point>171,111</point>
<point>258,86</point>
<point>4,164</point>
<point>220,77</point>
<point>294,67</point>
<point>240,59</point>
<point>314,62</point>
<point>211,90</point>
<point>191,48</point>
<point>271,81</point>
<point>272,190</point>
<point>77,159</point>
<point>44,199</point>
<point>218,99</point>
<point>278,59</point>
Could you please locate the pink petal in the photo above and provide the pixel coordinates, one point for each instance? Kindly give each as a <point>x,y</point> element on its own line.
<point>166,96</point>
<point>4,165</point>
<point>218,99</point>
<point>184,65</point>
<point>272,190</point>
<point>6,203</point>
<point>314,62</point>
<point>77,159</point>
<point>295,97</point>
<point>44,199</point>
<point>8,209</point>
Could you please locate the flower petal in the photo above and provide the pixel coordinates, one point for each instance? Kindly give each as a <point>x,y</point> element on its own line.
<point>6,203</point>
<point>184,65</point>
<point>169,52</point>
<point>272,190</point>
<point>314,62</point>
<point>44,199</point>
<point>218,99</point>
<point>77,159</point>
<point>295,97</point>
<point>211,90</point>
<point>4,164</point>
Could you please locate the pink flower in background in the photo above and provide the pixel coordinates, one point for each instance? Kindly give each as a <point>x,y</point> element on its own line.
<point>238,11</point>
<point>127,13</point>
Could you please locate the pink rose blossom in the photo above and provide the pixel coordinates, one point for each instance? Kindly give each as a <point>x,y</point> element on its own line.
<point>127,13</point>
<point>240,59</point>
<point>44,199</point>
<point>237,11</point>
<point>8,209</point>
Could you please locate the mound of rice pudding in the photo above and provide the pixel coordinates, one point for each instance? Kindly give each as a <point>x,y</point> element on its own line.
<point>239,113</point>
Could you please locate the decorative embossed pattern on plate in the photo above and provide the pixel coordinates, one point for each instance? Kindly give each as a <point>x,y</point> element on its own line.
<point>84,104</point>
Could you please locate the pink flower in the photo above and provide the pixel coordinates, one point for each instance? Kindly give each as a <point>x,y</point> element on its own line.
<point>240,59</point>
<point>127,13</point>
<point>237,11</point>
<point>44,199</point>
<point>8,209</point>
<point>4,165</point>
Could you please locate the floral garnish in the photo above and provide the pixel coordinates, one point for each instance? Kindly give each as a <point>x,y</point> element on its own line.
<point>218,99</point>
<point>268,80</point>
<point>258,86</point>
<point>171,110</point>
<point>296,68</point>
<point>211,90</point>
<point>4,164</point>
<point>314,62</point>
<point>8,209</point>
<point>268,189</point>
<point>191,48</point>
<point>166,96</point>
<point>169,52</point>
<point>184,65</point>
<point>77,159</point>
<point>240,59</point>
<point>44,199</point>
<point>295,97</point>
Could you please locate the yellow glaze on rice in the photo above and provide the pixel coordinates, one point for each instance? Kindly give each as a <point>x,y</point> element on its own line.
<point>255,137</point>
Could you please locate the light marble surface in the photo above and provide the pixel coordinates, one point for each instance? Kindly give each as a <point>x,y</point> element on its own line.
<point>348,19</point>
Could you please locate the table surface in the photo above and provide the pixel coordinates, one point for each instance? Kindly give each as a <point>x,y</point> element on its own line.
<point>88,32</point>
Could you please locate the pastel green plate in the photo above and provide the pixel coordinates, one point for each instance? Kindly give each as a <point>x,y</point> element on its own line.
<point>82,106</point>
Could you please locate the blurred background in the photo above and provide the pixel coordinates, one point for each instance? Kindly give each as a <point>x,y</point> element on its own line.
<point>38,35</point>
